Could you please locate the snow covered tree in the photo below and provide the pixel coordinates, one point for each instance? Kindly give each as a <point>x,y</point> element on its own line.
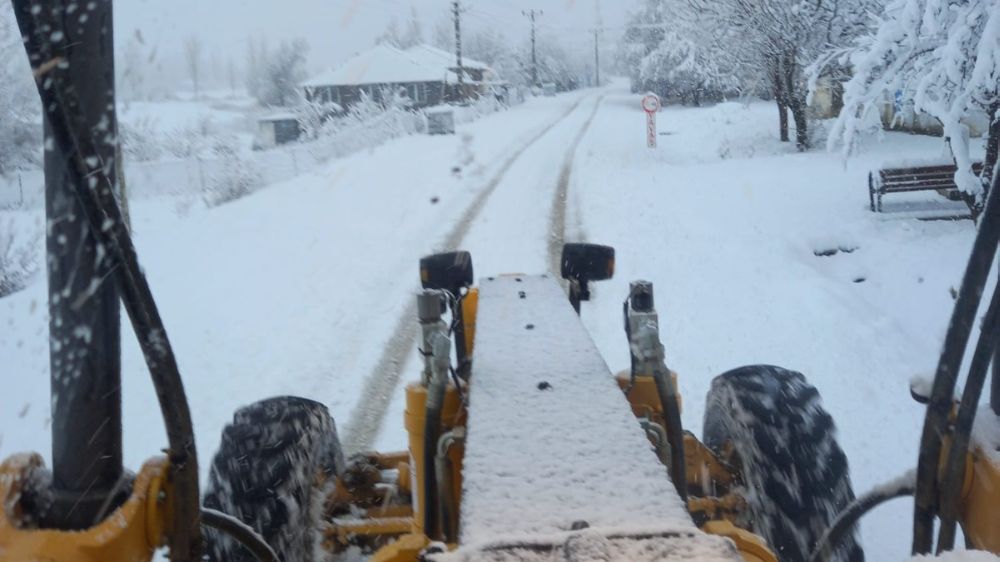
<point>555,64</point>
<point>780,38</point>
<point>443,36</point>
<point>690,59</point>
<point>414,33</point>
<point>944,57</point>
<point>231,73</point>
<point>20,133</point>
<point>390,35</point>
<point>485,45</point>
<point>746,44</point>
<point>644,33</point>
<point>134,68</point>
<point>283,71</point>
<point>256,60</point>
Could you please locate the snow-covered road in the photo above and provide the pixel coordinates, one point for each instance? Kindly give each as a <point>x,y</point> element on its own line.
<point>294,290</point>
<point>511,232</point>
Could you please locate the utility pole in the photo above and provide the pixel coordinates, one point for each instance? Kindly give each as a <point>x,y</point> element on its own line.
<point>598,28</point>
<point>534,60</point>
<point>84,334</point>
<point>597,60</point>
<point>457,12</point>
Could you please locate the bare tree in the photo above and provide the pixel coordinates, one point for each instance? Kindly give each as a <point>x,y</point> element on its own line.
<point>443,35</point>
<point>414,33</point>
<point>192,55</point>
<point>390,35</point>
<point>283,71</point>
<point>231,72</point>
<point>256,61</point>
<point>135,62</point>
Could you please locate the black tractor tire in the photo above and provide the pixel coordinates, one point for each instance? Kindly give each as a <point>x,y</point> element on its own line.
<point>277,461</point>
<point>794,474</point>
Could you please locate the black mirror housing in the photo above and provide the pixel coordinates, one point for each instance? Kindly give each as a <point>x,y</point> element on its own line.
<point>587,262</point>
<point>448,271</point>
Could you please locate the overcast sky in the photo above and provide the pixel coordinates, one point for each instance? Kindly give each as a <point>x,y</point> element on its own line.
<point>336,29</point>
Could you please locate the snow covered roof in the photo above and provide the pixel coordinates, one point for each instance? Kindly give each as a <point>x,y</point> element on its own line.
<point>382,64</point>
<point>283,116</point>
<point>433,56</point>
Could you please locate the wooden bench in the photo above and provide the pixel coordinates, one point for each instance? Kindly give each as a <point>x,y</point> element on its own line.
<point>916,178</point>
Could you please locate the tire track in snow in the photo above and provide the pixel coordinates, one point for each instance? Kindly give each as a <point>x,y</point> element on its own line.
<point>365,423</point>
<point>557,218</point>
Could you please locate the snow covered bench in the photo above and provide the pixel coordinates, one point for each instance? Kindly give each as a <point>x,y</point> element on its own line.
<point>913,176</point>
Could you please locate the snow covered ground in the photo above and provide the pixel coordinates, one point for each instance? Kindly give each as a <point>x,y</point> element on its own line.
<point>293,290</point>
<point>730,245</point>
<point>726,221</point>
<point>297,288</point>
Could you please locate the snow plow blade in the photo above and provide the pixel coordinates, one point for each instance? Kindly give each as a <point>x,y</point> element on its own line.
<point>553,453</point>
<point>589,545</point>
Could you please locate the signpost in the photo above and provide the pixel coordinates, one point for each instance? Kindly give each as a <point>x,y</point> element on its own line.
<point>650,104</point>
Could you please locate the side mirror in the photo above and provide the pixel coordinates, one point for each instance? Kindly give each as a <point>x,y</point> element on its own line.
<point>587,262</point>
<point>448,271</point>
<point>583,263</point>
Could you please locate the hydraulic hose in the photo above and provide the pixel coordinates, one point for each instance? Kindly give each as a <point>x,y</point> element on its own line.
<point>240,532</point>
<point>675,432</point>
<point>951,484</point>
<point>942,392</point>
<point>445,479</point>
<point>844,523</point>
<point>432,431</point>
<point>95,191</point>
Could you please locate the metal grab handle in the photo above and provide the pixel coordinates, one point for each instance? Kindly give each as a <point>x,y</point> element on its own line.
<point>239,532</point>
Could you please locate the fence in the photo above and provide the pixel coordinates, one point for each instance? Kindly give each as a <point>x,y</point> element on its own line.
<point>195,176</point>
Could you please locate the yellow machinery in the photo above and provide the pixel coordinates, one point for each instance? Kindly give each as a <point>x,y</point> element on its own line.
<point>521,444</point>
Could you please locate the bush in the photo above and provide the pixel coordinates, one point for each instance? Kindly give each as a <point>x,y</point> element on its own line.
<point>480,107</point>
<point>184,143</point>
<point>368,123</point>
<point>237,178</point>
<point>140,141</point>
<point>18,259</point>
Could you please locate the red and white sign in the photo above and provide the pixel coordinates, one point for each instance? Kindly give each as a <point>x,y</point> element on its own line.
<point>650,104</point>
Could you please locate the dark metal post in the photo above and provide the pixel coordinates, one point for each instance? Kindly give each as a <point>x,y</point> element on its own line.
<point>84,323</point>
<point>597,59</point>
<point>995,383</point>
<point>457,12</point>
